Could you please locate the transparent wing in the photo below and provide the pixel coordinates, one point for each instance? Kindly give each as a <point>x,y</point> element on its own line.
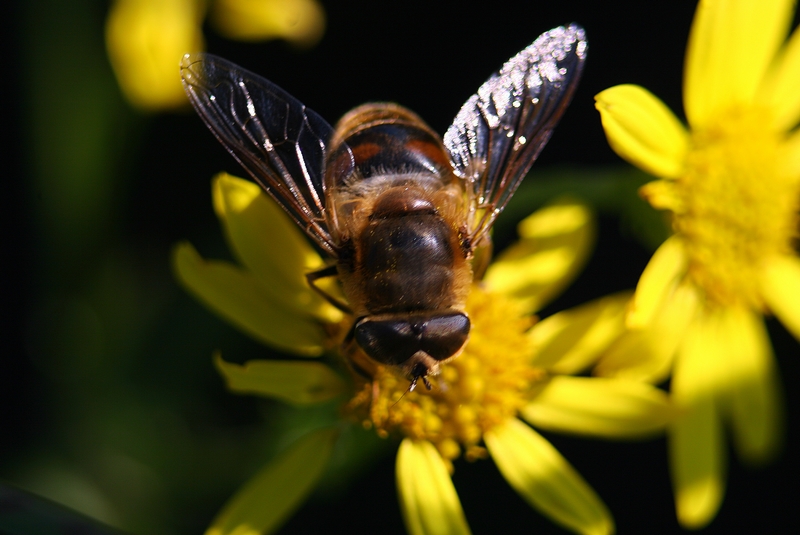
<point>280,142</point>
<point>501,129</point>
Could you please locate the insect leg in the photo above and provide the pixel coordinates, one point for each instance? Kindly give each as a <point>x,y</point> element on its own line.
<point>329,271</point>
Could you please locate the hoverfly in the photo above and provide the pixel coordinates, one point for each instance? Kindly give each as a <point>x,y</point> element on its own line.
<point>401,210</point>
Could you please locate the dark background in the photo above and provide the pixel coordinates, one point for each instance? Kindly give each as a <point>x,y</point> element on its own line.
<point>109,402</point>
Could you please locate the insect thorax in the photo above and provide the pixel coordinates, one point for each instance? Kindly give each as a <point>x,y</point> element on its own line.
<point>405,253</point>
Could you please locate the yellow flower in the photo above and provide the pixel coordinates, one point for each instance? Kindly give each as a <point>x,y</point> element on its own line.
<point>731,183</point>
<point>147,38</point>
<point>512,368</point>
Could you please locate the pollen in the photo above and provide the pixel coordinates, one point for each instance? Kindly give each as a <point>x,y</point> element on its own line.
<point>736,206</point>
<point>487,384</point>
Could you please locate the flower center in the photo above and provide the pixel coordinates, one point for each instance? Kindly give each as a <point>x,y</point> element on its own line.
<point>738,206</point>
<point>488,383</point>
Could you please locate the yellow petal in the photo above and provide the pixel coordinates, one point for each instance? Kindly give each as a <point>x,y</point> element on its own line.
<point>237,297</point>
<point>535,469</point>
<point>146,40</point>
<point>731,44</point>
<point>647,354</point>
<point>696,447</point>
<point>658,280</point>
<point>270,245</point>
<point>605,408</point>
<point>553,247</point>
<point>298,383</point>
<point>779,90</point>
<point>753,391</point>
<point>270,497</point>
<point>780,286</point>
<point>570,341</point>
<point>791,154</point>
<point>697,463</point>
<point>634,356</point>
<point>663,195</point>
<point>641,129</point>
<point>428,498</point>
<point>701,365</point>
<point>301,22</point>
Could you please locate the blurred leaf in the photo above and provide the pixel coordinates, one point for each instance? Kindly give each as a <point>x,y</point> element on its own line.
<point>608,190</point>
<point>22,513</point>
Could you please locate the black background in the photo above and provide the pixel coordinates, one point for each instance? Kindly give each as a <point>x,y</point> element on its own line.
<point>430,57</point>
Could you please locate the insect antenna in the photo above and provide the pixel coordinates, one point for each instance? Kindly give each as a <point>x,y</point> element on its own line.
<point>413,385</point>
<point>410,388</point>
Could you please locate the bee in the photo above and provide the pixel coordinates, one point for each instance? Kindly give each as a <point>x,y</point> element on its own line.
<point>404,212</point>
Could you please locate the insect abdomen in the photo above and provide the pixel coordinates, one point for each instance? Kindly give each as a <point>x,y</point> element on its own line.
<point>378,139</point>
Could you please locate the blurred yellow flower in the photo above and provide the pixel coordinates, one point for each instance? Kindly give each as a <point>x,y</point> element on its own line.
<point>147,38</point>
<point>145,41</point>
<point>731,184</point>
<point>300,22</point>
<point>512,368</point>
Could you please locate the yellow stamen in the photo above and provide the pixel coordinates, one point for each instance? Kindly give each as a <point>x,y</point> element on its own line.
<point>736,206</point>
<point>488,383</point>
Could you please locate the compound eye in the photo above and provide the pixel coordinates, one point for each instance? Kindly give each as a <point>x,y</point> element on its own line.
<point>394,341</point>
<point>387,341</point>
<point>444,336</point>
